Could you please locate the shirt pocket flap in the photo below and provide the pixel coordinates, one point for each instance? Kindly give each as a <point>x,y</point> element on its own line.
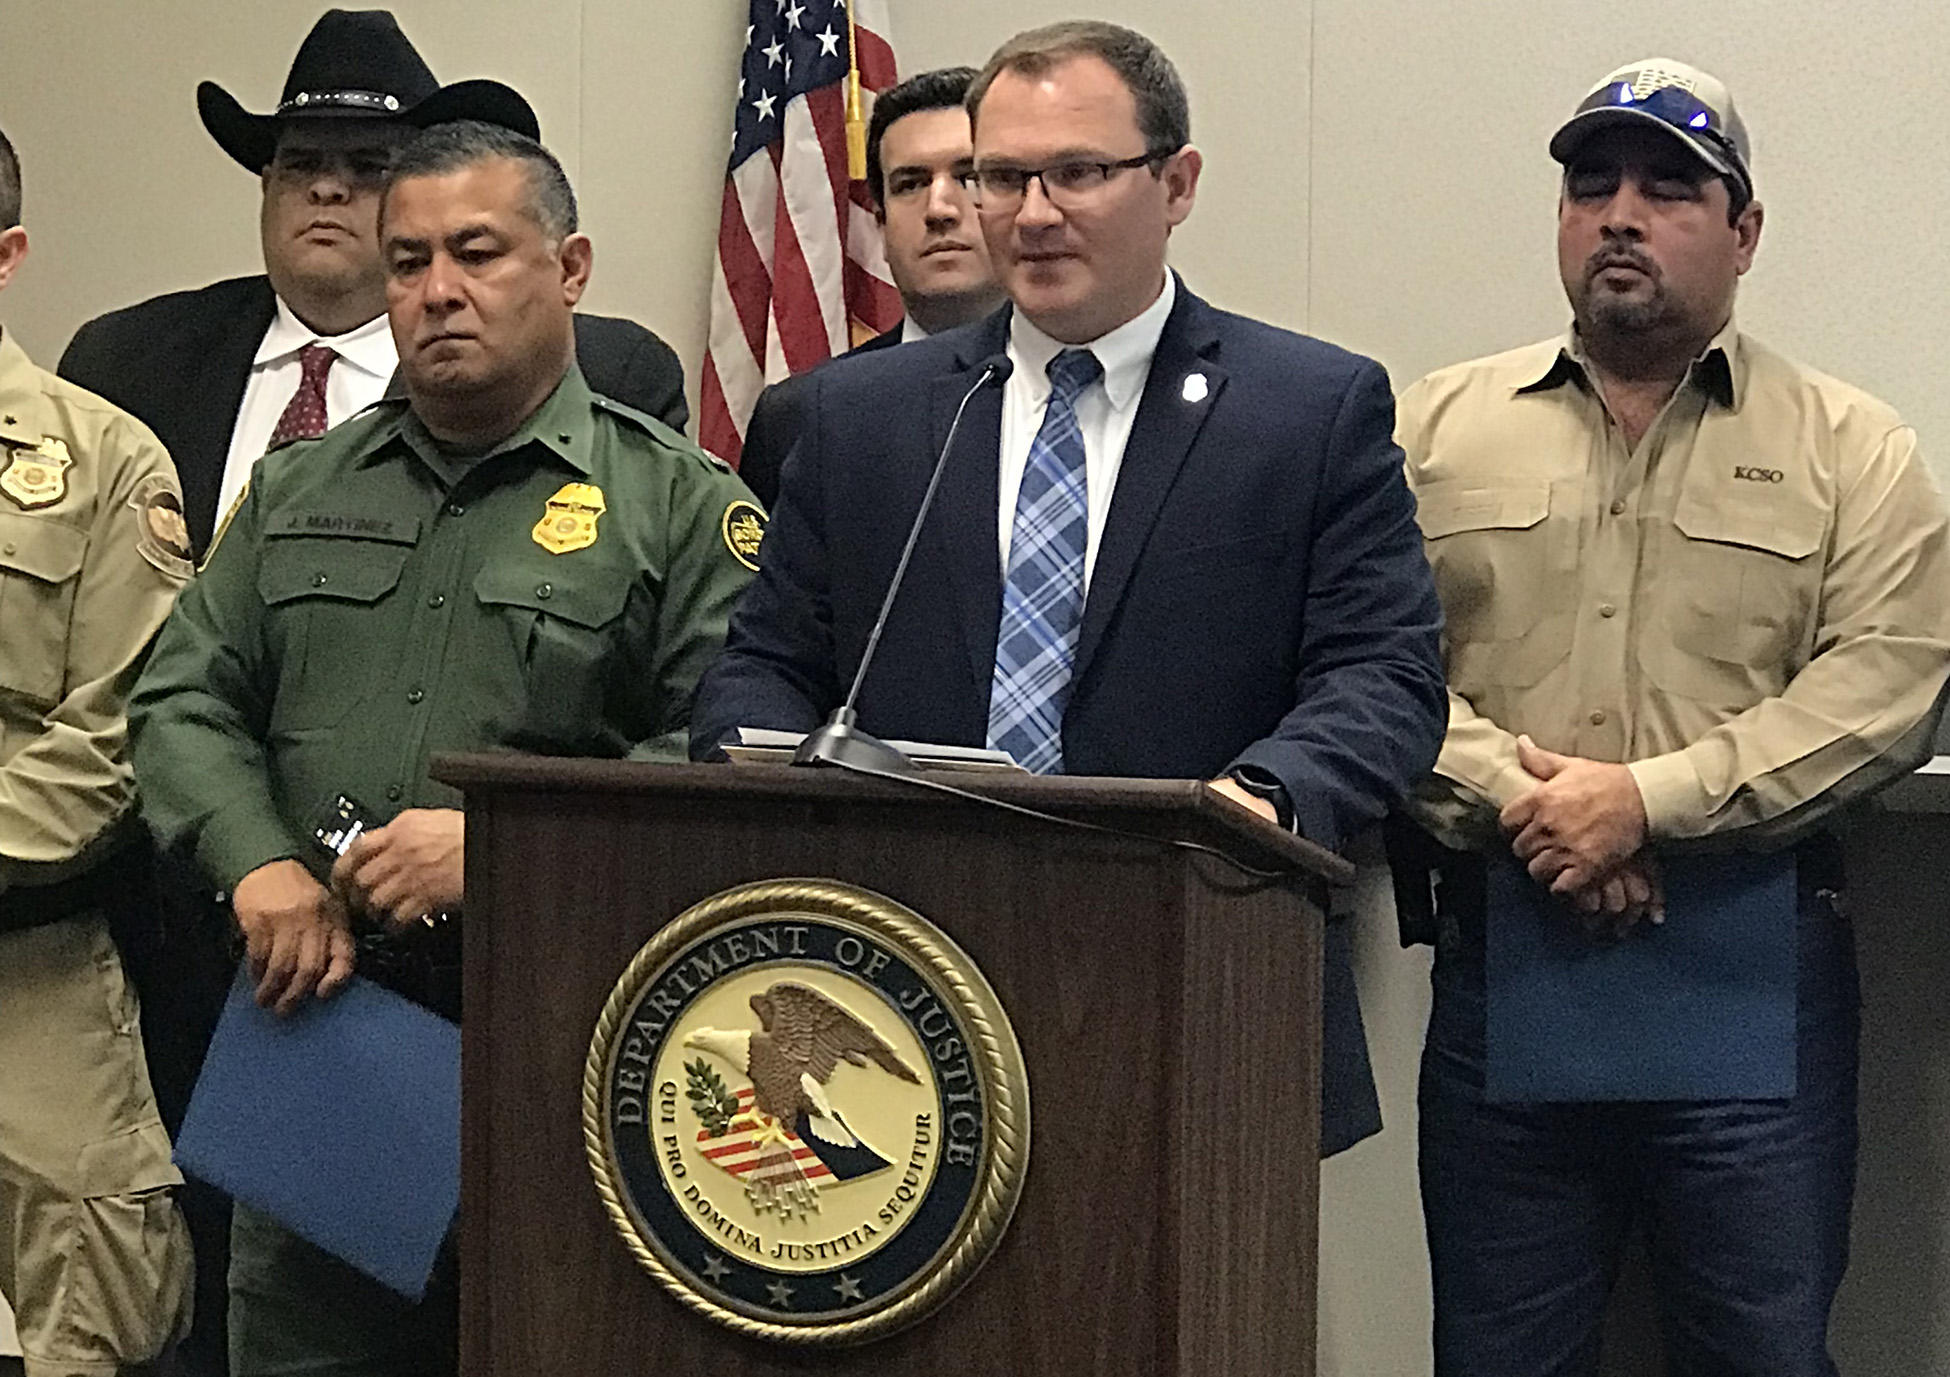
<point>588,602</point>
<point>1450,506</point>
<point>40,548</point>
<point>1777,528</point>
<point>295,567</point>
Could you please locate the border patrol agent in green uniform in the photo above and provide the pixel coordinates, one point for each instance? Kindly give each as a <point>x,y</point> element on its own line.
<point>94,1255</point>
<point>502,559</point>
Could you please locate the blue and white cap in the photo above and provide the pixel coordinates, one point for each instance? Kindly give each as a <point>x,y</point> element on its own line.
<point>1691,105</point>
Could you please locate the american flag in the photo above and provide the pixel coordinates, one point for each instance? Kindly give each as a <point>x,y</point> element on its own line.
<point>738,1152</point>
<point>800,267</point>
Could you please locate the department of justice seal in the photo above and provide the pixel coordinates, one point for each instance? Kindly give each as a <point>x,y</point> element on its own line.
<point>806,1112</point>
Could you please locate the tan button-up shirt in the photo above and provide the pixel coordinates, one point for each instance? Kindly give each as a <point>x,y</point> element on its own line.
<point>92,552</point>
<point>1751,608</point>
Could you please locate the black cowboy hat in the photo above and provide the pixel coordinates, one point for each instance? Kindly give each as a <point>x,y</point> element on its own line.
<point>357,64</point>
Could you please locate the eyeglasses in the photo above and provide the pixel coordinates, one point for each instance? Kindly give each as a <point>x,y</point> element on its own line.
<point>1680,108</point>
<point>1066,185</point>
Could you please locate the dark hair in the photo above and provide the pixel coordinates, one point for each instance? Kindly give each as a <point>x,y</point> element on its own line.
<point>944,89</point>
<point>1164,112</point>
<point>9,184</point>
<point>1738,198</point>
<point>450,147</point>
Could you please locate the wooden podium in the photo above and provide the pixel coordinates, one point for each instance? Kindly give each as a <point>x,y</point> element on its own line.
<point>1167,1003</point>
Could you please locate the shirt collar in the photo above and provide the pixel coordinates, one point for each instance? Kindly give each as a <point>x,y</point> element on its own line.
<point>369,347</point>
<point>1720,370</point>
<point>1125,352</point>
<point>911,331</point>
<point>565,425</point>
<point>20,395</point>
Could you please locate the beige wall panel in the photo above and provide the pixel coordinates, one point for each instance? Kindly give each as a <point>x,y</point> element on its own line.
<point>1246,65</point>
<point>656,117</point>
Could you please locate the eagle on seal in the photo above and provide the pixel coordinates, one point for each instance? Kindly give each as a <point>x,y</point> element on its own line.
<point>804,1037</point>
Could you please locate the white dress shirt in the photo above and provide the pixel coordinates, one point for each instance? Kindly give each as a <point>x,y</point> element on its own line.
<point>365,365</point>
<point>910,331</point>
<point>1105,410</point>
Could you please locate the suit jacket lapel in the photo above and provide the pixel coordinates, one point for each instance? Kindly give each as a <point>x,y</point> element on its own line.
<point>964,514</point>
<point>211,402</point>
<point>1167,423</point>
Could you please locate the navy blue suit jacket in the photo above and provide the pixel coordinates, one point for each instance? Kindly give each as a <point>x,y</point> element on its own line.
<point>1260,596</point>
<point>777,419</point>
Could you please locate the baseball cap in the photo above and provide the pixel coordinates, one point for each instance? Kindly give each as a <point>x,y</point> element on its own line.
<point>1691,105</point>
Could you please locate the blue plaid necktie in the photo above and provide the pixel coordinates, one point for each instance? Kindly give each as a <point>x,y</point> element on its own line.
<point>1042,594</point>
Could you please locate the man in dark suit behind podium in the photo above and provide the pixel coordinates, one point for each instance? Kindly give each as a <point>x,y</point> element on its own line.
<point>1173,542</point>
<point>918,150</point>
<point>218,372</point>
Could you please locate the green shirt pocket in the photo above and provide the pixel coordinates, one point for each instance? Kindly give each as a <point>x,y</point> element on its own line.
<point>564,624</point>
<point>330,630</point>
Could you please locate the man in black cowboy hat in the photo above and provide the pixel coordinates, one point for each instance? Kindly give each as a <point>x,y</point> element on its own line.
<point>221,373</point>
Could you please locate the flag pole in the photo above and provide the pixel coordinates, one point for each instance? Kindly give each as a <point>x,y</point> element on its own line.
<point>856,120</point>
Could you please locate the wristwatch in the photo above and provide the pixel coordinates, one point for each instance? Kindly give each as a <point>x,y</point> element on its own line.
<point>1263,786</point>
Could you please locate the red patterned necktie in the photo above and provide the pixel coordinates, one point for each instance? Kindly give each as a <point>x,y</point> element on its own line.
<point>304,418</point>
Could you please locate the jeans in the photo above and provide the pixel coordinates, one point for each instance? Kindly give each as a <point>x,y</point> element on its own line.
<point>1744,1204</point>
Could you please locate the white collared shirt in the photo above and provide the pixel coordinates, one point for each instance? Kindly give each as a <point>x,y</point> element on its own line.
<point>1106,410</point>
<point>365,365</point>
<point>910,331</point>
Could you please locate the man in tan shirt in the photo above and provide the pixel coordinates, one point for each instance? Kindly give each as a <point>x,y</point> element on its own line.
<point>94,1257</point>
<point>1697,600</point>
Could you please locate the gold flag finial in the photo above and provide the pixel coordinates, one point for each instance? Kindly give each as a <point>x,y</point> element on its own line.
<point>856,119</point>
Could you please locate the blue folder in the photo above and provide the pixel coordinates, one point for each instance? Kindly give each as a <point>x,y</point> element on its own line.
<point>1699,1008</point>
<point>341,1122</point>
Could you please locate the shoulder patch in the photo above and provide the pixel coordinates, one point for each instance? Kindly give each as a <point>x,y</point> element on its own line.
<point>161,535</point>
<point>223,524</point>
<point>743,527</point>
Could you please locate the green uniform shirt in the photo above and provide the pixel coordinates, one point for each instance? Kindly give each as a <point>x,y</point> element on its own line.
<point>92,551</point>
<point>372,600</point>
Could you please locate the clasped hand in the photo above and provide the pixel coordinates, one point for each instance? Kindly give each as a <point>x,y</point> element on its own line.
<point>298,933</point>
<point>1581,835</point>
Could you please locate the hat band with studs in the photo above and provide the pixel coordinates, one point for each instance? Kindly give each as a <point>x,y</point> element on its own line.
<point>374,101</point>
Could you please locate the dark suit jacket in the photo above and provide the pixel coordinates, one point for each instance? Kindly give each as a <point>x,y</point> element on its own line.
<point>1260,597</point>
<point>776,420</point>
<point>179,363</point>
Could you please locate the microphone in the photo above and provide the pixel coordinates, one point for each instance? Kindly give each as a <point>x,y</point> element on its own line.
<point>839,741</point>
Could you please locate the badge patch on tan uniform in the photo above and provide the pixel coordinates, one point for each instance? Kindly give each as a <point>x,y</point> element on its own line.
<point>569,523</point>
<point>37,477</point>
<point>162,536</point>
<point>744,532</point>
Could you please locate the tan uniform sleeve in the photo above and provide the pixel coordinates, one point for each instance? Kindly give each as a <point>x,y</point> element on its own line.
<point>1864,709</point>
<point>1475,776</point>
<point>69,784</point>
<point>1477,772</point>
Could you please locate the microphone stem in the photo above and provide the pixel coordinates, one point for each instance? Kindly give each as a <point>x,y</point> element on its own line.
<point>907,550</point>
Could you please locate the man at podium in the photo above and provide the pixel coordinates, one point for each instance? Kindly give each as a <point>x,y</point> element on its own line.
<point>1252,609</point>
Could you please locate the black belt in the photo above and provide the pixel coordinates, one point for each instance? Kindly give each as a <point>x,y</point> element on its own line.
<point>421,963</point>
<point>34,906</point>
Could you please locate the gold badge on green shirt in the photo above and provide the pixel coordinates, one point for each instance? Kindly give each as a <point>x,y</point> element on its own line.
<point>569,523</point>
<point>37,477</point>
<point>744,531</point>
